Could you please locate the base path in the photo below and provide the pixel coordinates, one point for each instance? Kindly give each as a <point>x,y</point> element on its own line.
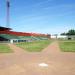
<point>24,63</point>
<point>17,50</point>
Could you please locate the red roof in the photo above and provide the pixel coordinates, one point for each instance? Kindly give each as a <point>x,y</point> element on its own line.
<point>4,30</point>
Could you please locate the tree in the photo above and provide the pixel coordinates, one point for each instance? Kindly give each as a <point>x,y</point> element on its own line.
<point>63,33</point>
<point>70,32</point>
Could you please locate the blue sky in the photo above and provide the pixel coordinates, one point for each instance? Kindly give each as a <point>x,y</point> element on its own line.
<point>41,16</point>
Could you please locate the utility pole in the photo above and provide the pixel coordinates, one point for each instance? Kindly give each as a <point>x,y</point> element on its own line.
<point>7,13</point>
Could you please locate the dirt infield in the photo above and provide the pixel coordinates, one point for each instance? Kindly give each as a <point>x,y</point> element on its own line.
<point>23,63</point>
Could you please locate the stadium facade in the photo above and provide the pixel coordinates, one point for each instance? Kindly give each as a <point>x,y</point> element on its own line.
<point>6,34</point>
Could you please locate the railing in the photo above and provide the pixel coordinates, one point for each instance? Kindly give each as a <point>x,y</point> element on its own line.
<point>4,41</point>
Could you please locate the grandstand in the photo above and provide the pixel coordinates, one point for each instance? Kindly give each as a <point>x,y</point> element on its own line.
<point>11,36</point>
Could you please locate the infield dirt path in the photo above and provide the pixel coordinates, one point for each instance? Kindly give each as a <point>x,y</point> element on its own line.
<point>23,63</point>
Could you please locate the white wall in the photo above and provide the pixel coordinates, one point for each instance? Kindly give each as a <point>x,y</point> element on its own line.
<point>62,36</point>
<point>53,37</point>
<point>59,36</point>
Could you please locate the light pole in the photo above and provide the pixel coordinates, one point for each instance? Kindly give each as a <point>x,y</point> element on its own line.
<point>7,13</point>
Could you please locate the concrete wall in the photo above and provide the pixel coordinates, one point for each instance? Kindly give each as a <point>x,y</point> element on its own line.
<point>58,37</point>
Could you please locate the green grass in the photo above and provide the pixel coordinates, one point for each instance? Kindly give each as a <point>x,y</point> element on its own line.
<point>35,46</point>
<point>67,46</point>
<point>4,48</point>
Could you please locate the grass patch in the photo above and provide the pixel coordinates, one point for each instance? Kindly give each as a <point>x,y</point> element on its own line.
<point>4,48</point>
<point>35,46</point>
<point>67,46</point>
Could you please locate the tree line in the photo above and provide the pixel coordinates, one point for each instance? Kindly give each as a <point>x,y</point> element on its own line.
<point>70,32</point>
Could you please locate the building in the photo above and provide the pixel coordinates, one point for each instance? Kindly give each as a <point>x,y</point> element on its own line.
<point>71,37</point>
<point>6,34</point>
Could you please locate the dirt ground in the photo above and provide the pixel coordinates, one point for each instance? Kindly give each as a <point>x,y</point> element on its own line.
<point>24,63</point>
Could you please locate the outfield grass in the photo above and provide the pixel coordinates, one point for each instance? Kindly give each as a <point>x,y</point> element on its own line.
<point>5,48</point>
<point>36,46</point>
<point>67,46</point>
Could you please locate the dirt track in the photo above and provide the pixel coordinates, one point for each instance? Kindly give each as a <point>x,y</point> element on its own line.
<point>23,63</point>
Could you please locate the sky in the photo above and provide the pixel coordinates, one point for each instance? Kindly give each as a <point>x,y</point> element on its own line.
<point>39,16</point>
